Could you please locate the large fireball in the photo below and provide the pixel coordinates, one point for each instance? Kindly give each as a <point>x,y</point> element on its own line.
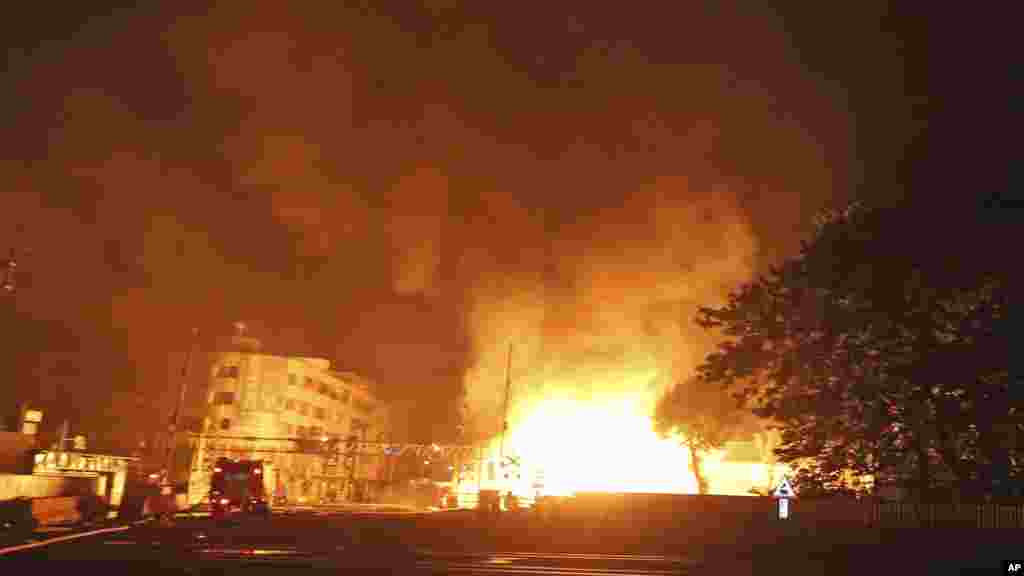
<point>601,447</point>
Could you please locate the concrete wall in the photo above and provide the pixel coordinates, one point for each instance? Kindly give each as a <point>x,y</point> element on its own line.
<point>747,517</point>
<point>661,509</point>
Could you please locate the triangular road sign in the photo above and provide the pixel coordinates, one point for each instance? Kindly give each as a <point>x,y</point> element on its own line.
<point>784,490</point>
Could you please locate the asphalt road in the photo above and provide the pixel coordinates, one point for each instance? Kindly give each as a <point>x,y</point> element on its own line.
<point>403,541</point>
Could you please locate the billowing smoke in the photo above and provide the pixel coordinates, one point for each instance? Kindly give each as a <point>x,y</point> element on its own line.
<point>418,208</point>
<point>624,331</point>
<point>411,197</point>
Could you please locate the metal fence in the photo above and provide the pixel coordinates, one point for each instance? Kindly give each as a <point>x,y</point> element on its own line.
<point>811,513</point>
<point>947,515</point>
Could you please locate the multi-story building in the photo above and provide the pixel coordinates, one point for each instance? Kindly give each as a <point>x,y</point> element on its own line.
<point>258,404</point>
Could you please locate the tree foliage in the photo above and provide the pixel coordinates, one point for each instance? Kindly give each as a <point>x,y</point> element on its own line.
<point>880,349</point>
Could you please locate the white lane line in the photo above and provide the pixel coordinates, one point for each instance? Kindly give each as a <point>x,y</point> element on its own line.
<point>42,543</point>
<point>477,568</point>
<point>557,556</point>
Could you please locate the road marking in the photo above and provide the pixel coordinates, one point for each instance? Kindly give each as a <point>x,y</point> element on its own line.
<point>557,556</point>
<point>42,543</point>
<point>552,564</point>
<point>479,568</point>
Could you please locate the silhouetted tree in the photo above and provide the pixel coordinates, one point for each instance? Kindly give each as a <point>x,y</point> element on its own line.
<point>705,418</point>
<point>882,346</point>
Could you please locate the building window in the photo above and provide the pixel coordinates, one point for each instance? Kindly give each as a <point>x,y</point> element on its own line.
<point>323,389</point>
<point>289,404</point>
<point>224,398</point>
<point>320,413</point>
<point>345,396</point>
<point>225,424</point>
<point>301,431</point>
<point>309,384</point>
<point>228,372</point>
<point>304,409</point>
<point>293,380</point>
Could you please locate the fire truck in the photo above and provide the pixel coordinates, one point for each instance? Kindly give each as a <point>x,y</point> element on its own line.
<point>239,486</point>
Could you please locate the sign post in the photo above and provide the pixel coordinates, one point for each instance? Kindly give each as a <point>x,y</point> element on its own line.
<point>784,492</point>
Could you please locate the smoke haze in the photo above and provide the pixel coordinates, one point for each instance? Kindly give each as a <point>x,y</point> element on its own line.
<point>408,191</point>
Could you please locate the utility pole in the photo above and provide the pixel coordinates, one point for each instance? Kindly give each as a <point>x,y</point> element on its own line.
<point>504,418</point>
<point>8,287</point>
<point>176,416</point>
<point>62,442</point>
<point>9,268</point>
<point>365,485</point>
<point>391,464</point>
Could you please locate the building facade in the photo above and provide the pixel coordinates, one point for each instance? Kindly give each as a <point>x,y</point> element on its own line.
<point>258,405</point>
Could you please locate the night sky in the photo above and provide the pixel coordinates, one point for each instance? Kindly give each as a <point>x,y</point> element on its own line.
<point>406,188</point>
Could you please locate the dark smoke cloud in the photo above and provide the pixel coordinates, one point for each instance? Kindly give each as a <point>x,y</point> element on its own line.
<point>410,190</point>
